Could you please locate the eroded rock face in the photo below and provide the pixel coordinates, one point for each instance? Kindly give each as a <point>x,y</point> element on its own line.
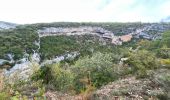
<point>24,69</point>
<point>67,56</point>
<point>20,72</point>
<point>5,63</point>
<point>2,61</point>
<point>73,31</point>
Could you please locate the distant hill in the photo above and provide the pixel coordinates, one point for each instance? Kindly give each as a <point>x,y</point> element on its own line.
<point>167,19</point>
<point>7,25</point>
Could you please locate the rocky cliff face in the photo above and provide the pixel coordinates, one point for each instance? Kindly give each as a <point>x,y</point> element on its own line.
<point>82,30</point>
<point>148,31</point>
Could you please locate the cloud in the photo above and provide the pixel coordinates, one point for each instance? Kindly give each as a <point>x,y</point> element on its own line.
<point>33,11</point>
<point>137,10</point>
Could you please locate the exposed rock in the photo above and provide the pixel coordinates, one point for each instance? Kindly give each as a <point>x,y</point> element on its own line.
<point>147,31</point>
<point>73,30</point>
<point>24,69</point>
<point>2,61</point>
<point>67,56</point>
<point>86,30</point>
<point>21,71</point>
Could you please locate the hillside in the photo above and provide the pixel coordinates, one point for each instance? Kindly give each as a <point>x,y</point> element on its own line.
<point>167,19</point>
<point>6,25</point>
<point>85,61</point>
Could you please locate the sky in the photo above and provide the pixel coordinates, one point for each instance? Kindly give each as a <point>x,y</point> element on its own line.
<point>37,11</point>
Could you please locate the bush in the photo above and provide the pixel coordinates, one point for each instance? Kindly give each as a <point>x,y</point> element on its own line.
<point>141,61</point>
<point>4,96</point>
<point>97,70</point>
<point>17,41</point>
<point>165,62</point>
<point>62,79</point>
<point>93,71</point>
<point>55,77</point>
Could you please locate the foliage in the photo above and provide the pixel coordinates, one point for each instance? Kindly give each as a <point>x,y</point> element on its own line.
<point>160,47</point>
<point>163,52</point>
<point>93,71</point>
<point>55,77</point>
<point>16,42</point>
<point>97,65</point>
<point>141,61</point>
<point>165,62</point>
<point>166,39</point>
<point>4,96</point>
<point>61,79</point>
<point>144,44</point>
<point>18,87</point>
<point>97,70</point>
<point>58,45</point>
<point>53,46</point>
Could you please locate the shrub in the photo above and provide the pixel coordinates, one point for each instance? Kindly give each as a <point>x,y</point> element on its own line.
<point>96,70</point>
<point>4,96</point>
<point>163,52</point>
<point>141,61</point>
<point>55,77</point>
<point>17,41</point>
<point>165,62</point>
<point>61,79</point>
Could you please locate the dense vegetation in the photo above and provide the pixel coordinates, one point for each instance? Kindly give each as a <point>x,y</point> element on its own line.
<point>98,64</point>
<point>97,68</point>
<point>22,39</point>
<point>17,42</point>
<point>58,45</point>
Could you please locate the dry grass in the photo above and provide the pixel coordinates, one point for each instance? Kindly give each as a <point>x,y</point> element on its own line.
<point>1,80</point>
<point>128,88</point>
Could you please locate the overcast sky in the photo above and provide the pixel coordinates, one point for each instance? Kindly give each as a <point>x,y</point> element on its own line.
<point>33,11</point>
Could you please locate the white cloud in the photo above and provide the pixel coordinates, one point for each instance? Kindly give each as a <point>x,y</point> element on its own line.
<point>33,11</point>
